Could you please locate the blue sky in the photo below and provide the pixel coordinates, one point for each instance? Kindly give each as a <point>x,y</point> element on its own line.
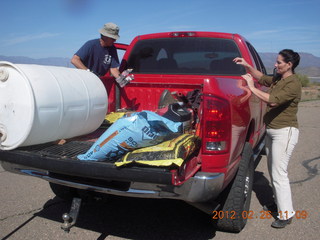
<point>58,28</point>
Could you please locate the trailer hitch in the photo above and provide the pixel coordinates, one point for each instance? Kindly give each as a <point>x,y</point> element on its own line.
<point>69,219</point>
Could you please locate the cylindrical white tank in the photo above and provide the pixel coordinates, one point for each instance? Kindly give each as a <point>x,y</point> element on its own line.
<point>40,104</point>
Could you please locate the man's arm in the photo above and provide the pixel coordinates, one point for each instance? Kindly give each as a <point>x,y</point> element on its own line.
<point>115,72</point>
<point>76,61</point>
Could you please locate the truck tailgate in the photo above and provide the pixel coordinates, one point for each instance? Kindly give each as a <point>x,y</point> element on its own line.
<point>61,159</point>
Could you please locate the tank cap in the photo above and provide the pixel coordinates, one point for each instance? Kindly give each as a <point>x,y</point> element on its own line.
<point>4,74</point>
<point>3,135</point>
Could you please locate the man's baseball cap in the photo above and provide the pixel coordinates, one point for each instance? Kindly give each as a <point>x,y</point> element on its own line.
<point>110,30</point>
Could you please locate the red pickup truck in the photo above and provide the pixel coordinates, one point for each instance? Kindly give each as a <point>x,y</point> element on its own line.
<point>228,119</point>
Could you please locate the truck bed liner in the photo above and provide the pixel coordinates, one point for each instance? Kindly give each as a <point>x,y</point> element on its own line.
<point>61,159</point>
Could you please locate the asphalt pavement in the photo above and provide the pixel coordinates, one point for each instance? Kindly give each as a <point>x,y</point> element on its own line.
<point>29,210</point>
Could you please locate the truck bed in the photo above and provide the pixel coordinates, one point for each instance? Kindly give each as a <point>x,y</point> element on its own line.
<point>62,160</point>
<point>58,164</point>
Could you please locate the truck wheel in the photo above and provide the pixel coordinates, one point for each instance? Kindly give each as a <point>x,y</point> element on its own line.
<point>63,192</point>
<point>237,200</point>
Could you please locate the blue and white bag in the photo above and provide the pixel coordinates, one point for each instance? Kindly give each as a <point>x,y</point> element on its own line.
<point>132,131</point>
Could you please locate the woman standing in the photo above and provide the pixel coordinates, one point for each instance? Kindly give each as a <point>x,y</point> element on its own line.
<point>282,126</point>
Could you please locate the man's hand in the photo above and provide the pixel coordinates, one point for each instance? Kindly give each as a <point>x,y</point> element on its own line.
<point>115,72</point>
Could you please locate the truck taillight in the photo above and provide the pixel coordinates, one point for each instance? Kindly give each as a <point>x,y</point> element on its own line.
<point>216,124</point>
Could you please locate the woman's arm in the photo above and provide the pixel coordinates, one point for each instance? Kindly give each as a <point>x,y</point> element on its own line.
<point>260,94</point>
<point>254,72</point>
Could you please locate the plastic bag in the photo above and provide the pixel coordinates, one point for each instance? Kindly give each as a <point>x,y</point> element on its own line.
<point>168,153</point>
<point>132,131</point>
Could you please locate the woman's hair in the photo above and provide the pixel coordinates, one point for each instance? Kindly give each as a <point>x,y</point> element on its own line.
<point>288,56</point>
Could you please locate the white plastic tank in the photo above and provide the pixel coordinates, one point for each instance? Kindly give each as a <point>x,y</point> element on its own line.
<point>40,104</point>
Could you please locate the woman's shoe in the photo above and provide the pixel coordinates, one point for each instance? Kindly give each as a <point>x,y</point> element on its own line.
<point>281,223</point>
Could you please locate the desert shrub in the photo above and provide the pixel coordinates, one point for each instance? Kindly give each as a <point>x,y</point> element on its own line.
<point>304,79</point>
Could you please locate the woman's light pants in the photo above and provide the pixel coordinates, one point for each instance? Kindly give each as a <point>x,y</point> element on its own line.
<point>279,146</point>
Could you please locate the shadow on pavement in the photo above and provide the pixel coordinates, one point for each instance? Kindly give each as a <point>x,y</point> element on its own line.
<point>134,218</point>
<point>262,189</point>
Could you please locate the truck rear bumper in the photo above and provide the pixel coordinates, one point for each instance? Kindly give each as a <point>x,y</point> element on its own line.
<point>58,164</point>
<point>202,187</point>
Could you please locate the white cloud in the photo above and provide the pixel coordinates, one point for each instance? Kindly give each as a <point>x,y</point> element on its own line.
<point>262,33</point>
<point>28,38</point>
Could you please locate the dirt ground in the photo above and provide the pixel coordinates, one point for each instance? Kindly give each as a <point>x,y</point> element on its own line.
<point>310,93</point>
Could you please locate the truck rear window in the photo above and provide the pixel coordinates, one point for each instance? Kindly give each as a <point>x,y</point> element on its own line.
<point>207,56</point>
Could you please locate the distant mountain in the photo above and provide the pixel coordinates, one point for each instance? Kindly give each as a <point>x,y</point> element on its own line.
<point>51,61</point>
<point>309,64</point>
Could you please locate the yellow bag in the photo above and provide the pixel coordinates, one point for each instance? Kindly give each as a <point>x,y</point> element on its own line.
<point>113,116</point>
<point>172,152</point>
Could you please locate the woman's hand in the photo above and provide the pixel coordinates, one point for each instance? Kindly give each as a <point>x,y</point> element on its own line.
<point>255,73</point>
<point>241,61</point>
<point>260,94</point>
<point>249,80</point>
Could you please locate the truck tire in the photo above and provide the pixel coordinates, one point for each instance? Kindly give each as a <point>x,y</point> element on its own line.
<point>63,192</point>
<point>235,210</point>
